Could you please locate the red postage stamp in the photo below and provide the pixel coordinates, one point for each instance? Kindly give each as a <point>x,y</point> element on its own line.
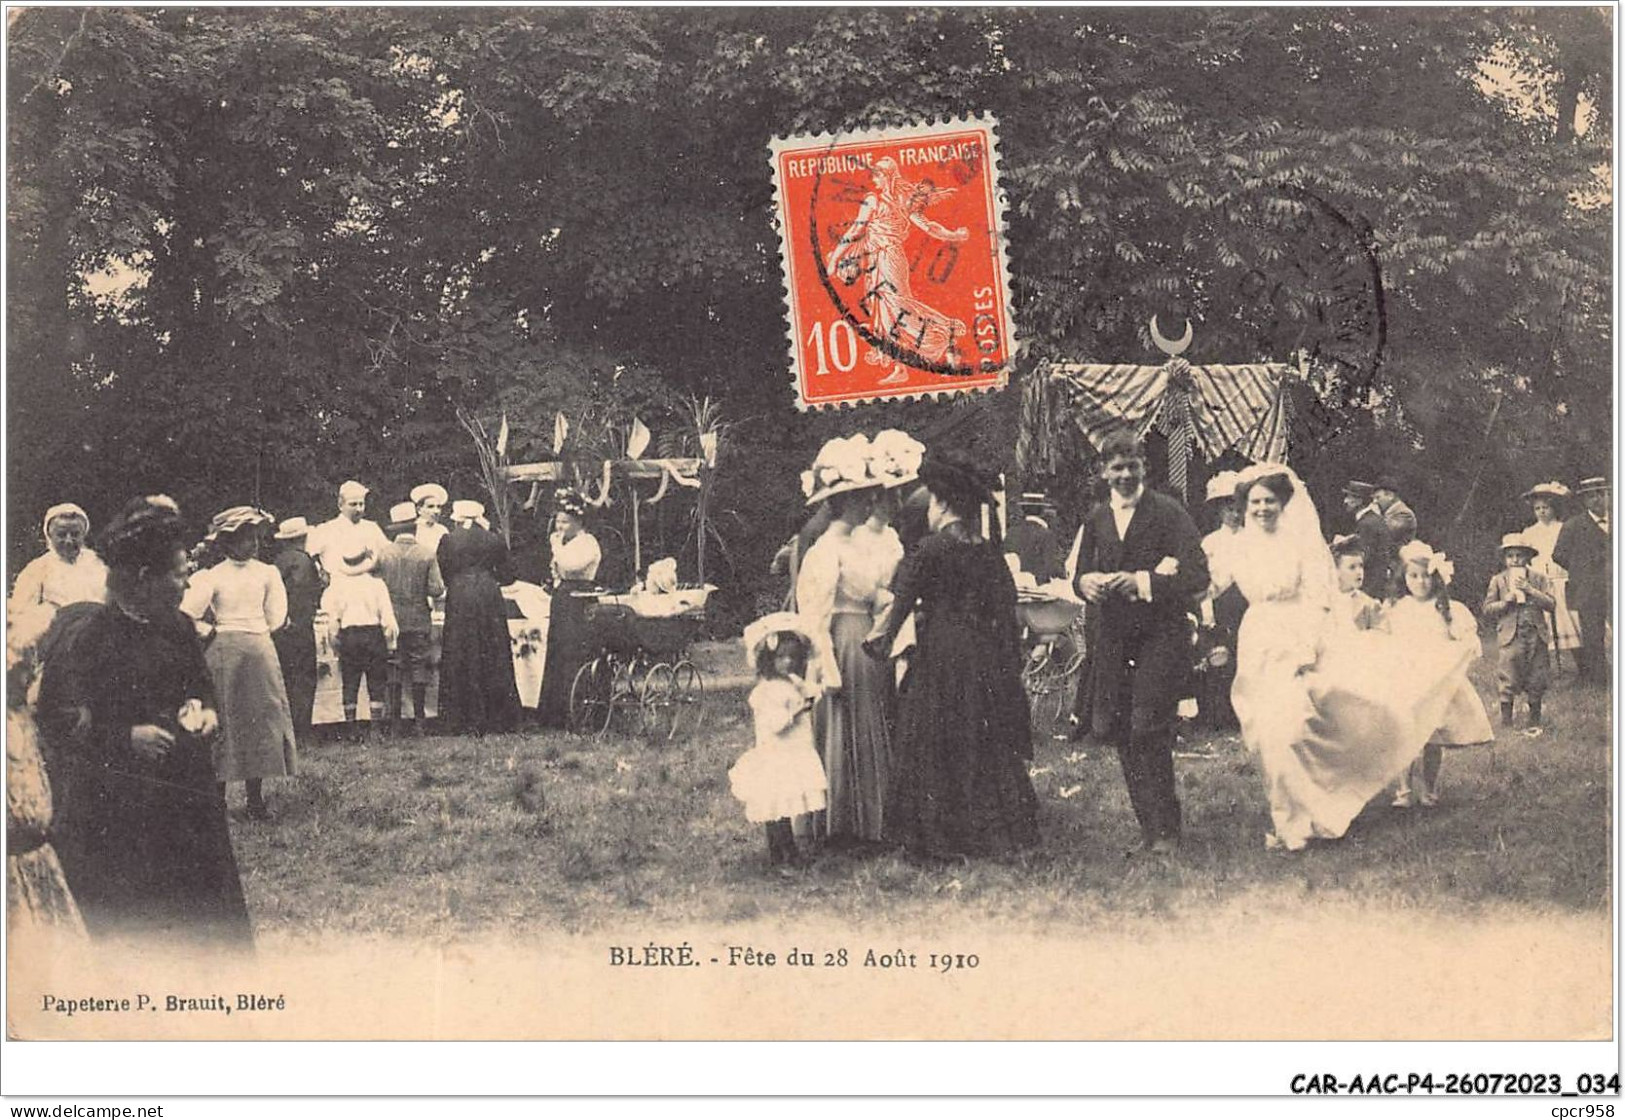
<point>895,269</point>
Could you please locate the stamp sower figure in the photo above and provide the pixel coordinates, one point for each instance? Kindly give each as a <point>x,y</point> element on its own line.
<point>873,254</point>
<point>1140,563</point>
<point>1518,600</point>
<point>1584,550</point>
<point>412,575</point>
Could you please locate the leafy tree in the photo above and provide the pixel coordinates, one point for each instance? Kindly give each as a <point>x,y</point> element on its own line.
<point>254,252</point>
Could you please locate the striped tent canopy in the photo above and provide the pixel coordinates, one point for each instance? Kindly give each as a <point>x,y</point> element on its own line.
<point>1206,409</point>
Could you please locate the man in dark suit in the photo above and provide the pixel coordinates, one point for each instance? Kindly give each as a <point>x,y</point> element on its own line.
<point>1033,540</point>
<point>1585,548</point>
<point>1399,516</point>
<point>1141,566</point>
<point>1375,534</point>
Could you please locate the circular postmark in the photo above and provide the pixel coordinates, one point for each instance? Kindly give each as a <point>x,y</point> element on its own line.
<point>1323,299</point>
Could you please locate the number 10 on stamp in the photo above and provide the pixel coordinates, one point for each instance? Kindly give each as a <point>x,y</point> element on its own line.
<point>895,271</point>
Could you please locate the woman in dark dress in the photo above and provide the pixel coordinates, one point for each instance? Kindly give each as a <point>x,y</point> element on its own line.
<point>128,709</point>
<point>959,783</point>
<point>575,559</point>
<point>477,689</point>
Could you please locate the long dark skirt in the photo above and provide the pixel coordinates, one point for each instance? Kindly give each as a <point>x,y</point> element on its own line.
<point>147,851</point>
<point>569,645</point>
<point>477,689</point>
<point>959,782</point>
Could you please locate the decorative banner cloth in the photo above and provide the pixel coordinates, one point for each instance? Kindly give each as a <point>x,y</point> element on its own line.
<point>1211,409</point>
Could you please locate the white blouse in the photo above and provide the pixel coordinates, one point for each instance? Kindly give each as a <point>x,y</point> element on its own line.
<point>49,580</point>
<point>245,596</point>
<point>1544,537</point>
<point>848,571</point>
<point>576,558</point>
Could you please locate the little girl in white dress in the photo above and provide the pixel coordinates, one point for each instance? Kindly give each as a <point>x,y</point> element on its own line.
<point>781,780</point>
<point>1427,615</point>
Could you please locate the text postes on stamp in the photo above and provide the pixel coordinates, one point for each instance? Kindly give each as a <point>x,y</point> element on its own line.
<point>895,269</point>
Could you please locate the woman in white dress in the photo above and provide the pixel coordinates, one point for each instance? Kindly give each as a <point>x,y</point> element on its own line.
<point>1333,715</point>
<point>1549,501</point>
<point>247,602</point>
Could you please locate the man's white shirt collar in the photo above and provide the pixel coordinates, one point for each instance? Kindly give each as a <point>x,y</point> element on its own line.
<point>1370,507</point>
<point>1120,502</point>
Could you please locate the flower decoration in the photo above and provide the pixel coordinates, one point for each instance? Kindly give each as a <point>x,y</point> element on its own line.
<point>841,464</point>
<point>1419,552</point>
<point>190,716</point>
<point>896,457</point>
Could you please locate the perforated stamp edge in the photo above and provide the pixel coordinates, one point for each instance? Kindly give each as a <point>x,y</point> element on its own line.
<point>998,207</point>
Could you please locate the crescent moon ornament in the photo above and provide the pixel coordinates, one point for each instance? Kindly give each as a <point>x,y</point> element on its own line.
<point>1171,348</point>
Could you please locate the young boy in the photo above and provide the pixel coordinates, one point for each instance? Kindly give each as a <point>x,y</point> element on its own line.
<point>410,572</point>
<point>361,611</point>
<point>1353,606</point>
<point>1518,600</point>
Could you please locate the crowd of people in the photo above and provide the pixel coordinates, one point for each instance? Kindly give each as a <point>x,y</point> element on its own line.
<point>158,672</point>
<point>1341,658</point>
<point>889,710</point>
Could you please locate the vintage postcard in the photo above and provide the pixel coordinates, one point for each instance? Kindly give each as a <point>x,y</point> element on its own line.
<point>895,268</point>
<point>865,524</point>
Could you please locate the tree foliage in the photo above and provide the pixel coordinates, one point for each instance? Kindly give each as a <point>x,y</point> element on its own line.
<point>254,252</point>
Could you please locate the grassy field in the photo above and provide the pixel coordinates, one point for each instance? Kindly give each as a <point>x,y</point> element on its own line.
<point>451,837</point>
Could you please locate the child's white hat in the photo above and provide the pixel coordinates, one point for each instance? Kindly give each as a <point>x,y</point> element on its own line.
<point>766,631</point>
<point>1519,541</point>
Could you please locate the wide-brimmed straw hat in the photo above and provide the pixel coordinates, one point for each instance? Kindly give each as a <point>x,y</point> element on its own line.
<point>1554,490</point>
<point>466,509</point>
<point>1348,544</point>
<point>292,529</point>
<point>840,467</point>
<point>228,521</point>
<point>403,515</point>
<point>895,458</point>
<point>569,500</point>
<point>1518,541</point>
